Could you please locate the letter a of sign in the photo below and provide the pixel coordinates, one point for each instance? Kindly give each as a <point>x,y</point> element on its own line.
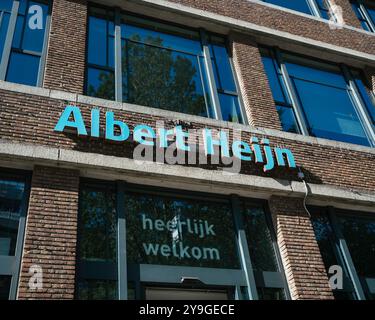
<point>36,18</point>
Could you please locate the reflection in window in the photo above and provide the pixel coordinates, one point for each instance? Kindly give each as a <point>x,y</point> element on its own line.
<point>262,253</point>
<point>358,231</point>
<point>173,231</point>
<point>4,287</point>
<point>98,225</point>
<point>97,290</point>
<point>11,196</point>
<point>324,95</point>
<point>162,66</point>
<point>271,294</point>
<point>28,41</point>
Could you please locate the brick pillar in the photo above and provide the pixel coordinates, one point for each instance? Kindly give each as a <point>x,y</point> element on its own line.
<point>51,233</point>
<point>65,64</point>
<point>253,81</point>
<point>349,15</point>
<point>299,250</point>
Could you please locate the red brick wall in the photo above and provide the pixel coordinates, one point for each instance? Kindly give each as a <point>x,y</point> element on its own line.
<point>51,233</point>
<point>254,87</point>
<point>65,64</point>
<point>303,264</point>
<point>289,22</point>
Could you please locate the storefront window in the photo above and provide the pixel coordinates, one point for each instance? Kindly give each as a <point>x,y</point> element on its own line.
<point>172,231</point>
<point>319,99</point>
<point>162,66</point>
<point>22,59</point>
<point>13,208</point>
<point>355,232</point>
<point>133,238</point>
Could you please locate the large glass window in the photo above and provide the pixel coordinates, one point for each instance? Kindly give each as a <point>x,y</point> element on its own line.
<point>160,66</point>
<point>23,36</point>
<point>319,99</point>
<point>347,239</point>
<point>13,207</point>
<point>365,11</point>
<point>136,236</point>
<point>318,8</point>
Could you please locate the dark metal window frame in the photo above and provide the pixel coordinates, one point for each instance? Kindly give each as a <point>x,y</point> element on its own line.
<point>120,15</point>
<point>302,123</point>
<point>10,265</point>
<point>7,50</point>
<point>141,274</point>
<point>353,283</point>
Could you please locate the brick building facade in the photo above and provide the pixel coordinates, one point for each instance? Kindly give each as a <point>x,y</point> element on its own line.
<point>78,195</point>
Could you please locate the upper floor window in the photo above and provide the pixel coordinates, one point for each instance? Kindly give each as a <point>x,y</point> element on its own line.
<point>319,8</point>
<point>347,239</point>
<point>365,12</point>
<point>320,99</point>
<point>23,38</point>
<point>149,63</point>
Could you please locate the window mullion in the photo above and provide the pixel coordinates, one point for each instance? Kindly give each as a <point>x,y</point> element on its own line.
<point>44,50</point>
<point>244,249</point>
<point>293,95</point>
<point>315,8</point>
<point>210,76</point>
<point>367,16</point>
<point>8,40</point>
<point>118,56</point>
<point>346,255</point>
<point>122,273</point>
<point>359,106</point>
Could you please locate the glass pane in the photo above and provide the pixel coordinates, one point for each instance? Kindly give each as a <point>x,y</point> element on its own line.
<point>11,196</point>
<point>298,5</point>
<point>5,287</point>
<point>181,232</point>
<point>230,108</point>
<point>330,112</point>
<point>371,13</point>
<point>288,119</point>
<point>359,234</point>
<point>3,31</point>
<point>17,37</point>
<point>221,59</point>
<point>274,79</point>
<point>323,8</point>
<point>97,290</point>
<point>98,225</point>
<point>97,42</point>
<point>33,37</point>
<point>101,84</point>
<point>164,40</point>
<point>6,5</point>
<point>23,68</point>
<point>164,79</point>
<point>368,99</point>
<point>271,294</point>
<point>259,240</point>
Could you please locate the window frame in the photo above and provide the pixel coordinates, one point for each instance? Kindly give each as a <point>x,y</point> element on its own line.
<point>361,8</point>
<point>299,112</point>
<point>139,274</point>
<point>358,285</point>
<point>10,265</point>
<point>8,43</point>
<point>213,92</point>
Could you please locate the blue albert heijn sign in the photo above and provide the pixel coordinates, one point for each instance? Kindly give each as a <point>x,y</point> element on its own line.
<point>258,151</point>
